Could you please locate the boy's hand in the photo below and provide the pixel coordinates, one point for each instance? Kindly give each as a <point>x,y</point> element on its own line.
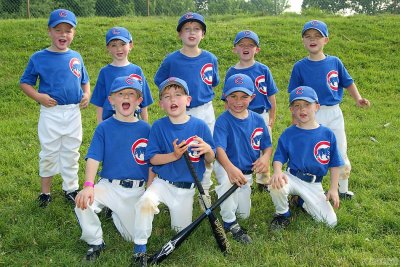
<point>201,147</point>
<point>180,148</point>
<point>46,100</point>
<point>363,102</point>
<point>261,165</point>
<point>334,196</point>
<point>236,176</point>
<point>85,197</point>
<point>85,100</point>
<point>278,180</point>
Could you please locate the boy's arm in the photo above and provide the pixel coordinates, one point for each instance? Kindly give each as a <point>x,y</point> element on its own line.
<point>360,101</point>
<point>86,95</point>
<point>86,196</point>
<point>43,99</point>
<point>278,179</point>
<point>144,114</point>
<point>261,165</point>
<point>332,193</point>
<point>179,149</point>
<point>99,114</point>
<point>234,174</point>
<point>272,111</point>
<point>151,177</point>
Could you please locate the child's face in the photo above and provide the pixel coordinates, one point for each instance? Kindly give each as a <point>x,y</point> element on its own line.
<point>246,49</point>
<point>191,34</point>
<point>238,102</point>
<point>303,111</point>
<point>314,42</point>
<point>125,102</point>
<point>119,50</point>
<point>174,101</point>
<point>61,37</point>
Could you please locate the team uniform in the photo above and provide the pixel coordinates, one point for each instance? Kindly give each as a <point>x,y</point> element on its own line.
<point>328,77</point>
<point>174,185</point>
<point>242,140</point>
<point>107,75</point>
<point>308,154</point>
<point>201,75</point>
<point>61,75</point>
<point>265,87</point>
<point>120,146</point>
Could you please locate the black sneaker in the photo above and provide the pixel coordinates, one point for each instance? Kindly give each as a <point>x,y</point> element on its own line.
<point>239,234</point>
<point>44,200</point>
<point>347,195</point>
<point>279,222</point>
<point>140,259</point>
<point>94,252</point>
<point>262,188</point>
<point>70,197</point>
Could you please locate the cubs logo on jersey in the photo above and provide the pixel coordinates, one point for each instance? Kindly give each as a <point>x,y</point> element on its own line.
<point>255,139</point>
<point>75,66</point>
<point>136,77</point>
<point>138,149</point>
<point>206,73</point>
<point>193,155</point>
<point>322,152</point>
<point>333,80</point>
<point>260,84</point>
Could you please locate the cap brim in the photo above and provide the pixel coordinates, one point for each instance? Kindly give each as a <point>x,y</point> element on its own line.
<point>238,89</point>
<point>174,83</point>
<point>314,28</point>
<point>179,27</point>
<point>52,25</point>
<point>237,41</point>
<point>308,99</point>
<point>126,40</point>
<point>116,90</point>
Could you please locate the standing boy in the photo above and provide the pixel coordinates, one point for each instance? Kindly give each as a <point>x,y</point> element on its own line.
<point>119,44</point>
<point>169,138</point>
<point>119,143</point>
<point>328,76</point>
<point>240,135</point>
<point>246,45</point>
<point>310,150</point>
<point>64,88</point>
<point>199,68</point>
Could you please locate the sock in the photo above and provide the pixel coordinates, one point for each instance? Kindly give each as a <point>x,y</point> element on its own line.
<point>228,225</point>
<point>300,202</point>
<point>343,185</point>
<point>286,214</point>
<point>139,249</point>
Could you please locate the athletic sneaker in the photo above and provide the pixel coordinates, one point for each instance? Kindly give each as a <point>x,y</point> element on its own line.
<point>140,259</point>
<point>44,200</point>
<point>279,222</point>
<point>262,188</point>
<point>94,252</point>
<point>70,197</point>
<point>347,195</point>
<point>239,234</point>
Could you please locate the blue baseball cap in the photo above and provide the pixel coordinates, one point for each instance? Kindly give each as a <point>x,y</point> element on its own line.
<point>305,93</point>
<point>190,16</point>
<point>246,34</point>
<point>119,33</point>
<point>125,82</point>
<point>62,15</point>
<point>316,25</point>
<point>175,81</point>
<point>238,82</point>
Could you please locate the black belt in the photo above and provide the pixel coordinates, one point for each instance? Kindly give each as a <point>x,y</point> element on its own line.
<point>247,172</point>
<point>183,185</point>
<point>127,183</point>
<point>306,177</point>
<point>258,110</point>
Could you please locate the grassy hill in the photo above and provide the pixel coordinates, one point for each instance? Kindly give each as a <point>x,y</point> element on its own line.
<point>369,225</point>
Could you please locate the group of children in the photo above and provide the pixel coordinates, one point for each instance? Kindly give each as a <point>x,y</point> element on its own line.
<point>142,166</point>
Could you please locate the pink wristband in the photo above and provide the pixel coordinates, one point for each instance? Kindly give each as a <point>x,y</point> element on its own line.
<point>87,183</point>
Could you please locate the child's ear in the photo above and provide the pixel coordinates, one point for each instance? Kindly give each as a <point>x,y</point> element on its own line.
<point>189,99</point>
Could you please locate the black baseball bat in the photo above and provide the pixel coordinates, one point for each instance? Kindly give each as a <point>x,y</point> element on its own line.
<point>177,240</point>
<point>216,227</point>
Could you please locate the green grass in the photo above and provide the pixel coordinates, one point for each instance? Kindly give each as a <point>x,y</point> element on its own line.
<point>369,226</point>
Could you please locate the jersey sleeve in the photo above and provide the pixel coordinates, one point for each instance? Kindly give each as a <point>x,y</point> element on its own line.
<point>30,75</point>
<point>154,144</point>
<point>281,152</point>
<point>96,148</point>
<point>220,134</point>
<point>99,92</point>
<point>344,77</point>
<point>163,72</point>
<point>215,72</point>
<point>147,97</point>
<point>336,159</point>
<point>295,78</point>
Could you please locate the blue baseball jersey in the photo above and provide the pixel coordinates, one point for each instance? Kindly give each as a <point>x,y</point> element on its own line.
<point>327,77</point>
<point>263,83</point>
<point>103,86</point>
<point>311,151</point>
<point>200,73</point>
<point>61,75</point>
<point>121,146</point>
<point>241,139</point>
<point>162,135</point>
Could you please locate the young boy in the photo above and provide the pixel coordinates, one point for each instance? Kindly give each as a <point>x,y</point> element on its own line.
<point>239,135</point>
<point>199,68</point>
<point>119,43</point>
<point>64,88</point>
<point>169,138</point>
<point>309,149</point>
<point>119,143</point>
<point>328,76</point>
<point>246,45</point>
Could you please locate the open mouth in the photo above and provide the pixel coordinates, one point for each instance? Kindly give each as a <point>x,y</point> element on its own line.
<point>126,106</point>
<point>173,107</point>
